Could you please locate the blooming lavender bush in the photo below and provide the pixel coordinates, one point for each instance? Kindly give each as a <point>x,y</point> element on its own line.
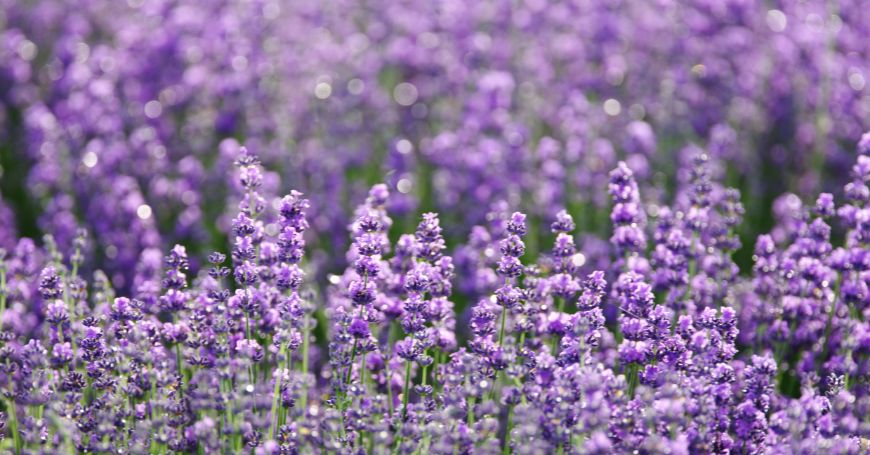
<point>277,227</point>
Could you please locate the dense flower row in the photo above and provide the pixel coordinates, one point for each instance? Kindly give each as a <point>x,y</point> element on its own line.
<point>666,350</point>
<point>111,111</point>
<point>569,226</point>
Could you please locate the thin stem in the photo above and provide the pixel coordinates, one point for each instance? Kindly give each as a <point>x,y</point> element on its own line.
<point>251,368</point>
<point>506,449</point>
<point>352,360</point>
<point>389,381</point>
<point>501,333</point>
<point>362,371</point>
<point>70,308</point>
<point>502,329</point>
<point>555,346</point>
<point>435,363</point>
<point>178,361</point>
<point>305,343</point>
<point>273,415</point>
<point>469,415</point>
<point>632,378</point>
<point>356,340</point>
<point>2,292</point>
<point>406,391</point>
<point>13,426</point>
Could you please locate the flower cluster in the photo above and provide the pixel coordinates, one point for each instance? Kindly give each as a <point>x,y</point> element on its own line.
<point>695,357</point>
<point>517,227</point>
<point>123,117</point>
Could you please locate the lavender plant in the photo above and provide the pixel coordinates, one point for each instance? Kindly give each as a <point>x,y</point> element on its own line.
<point>280,227</point>
<point>235,357</point>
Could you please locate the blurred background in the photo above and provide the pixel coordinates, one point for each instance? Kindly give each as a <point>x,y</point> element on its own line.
<point>124,117</point>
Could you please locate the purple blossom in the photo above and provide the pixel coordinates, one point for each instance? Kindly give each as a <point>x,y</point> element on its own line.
<point>586,240</point>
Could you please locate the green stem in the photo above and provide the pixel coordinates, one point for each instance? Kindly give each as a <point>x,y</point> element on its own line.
<point>390,389</point>
<point>153,398</point>
<point>779,356</point>
<point>555,344</point>
<point>406,391</point>
<point>2,292</point>
<point>355,342</point>
<point>362,372</point>
<point>306,334</point>
<point>88,396</point>
<point>178,361</point>
<point>501,333</point>
<point>252,374</point>
<point>352,360</point>
<point>502,329</point>
<point>273,415</point>
<point>389,382</point>
<point>435,363</point>
<point>13,426</point>
<point>687,294</point>
<point>632,378</point>
<point>506,449</point>
<point>71,309</point>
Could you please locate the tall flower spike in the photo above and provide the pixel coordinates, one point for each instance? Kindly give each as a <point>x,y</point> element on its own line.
<point>627,214</point>
<point>251,179</point>
<point>587,323</point>
<point>563,248</point>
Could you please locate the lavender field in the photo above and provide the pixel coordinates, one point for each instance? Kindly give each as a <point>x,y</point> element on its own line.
<point>435,227</point>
